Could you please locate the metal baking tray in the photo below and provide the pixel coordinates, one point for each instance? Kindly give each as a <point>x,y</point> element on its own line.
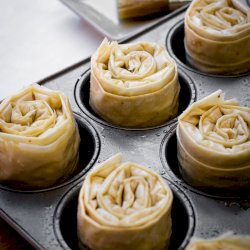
<point>47,218</point>
<point>103,15</point>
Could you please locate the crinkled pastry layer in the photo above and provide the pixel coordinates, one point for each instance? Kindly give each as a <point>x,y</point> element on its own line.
<point>124,206</point>
<point>134,85</point>
<point>39,138</point>
<point>217,36</point>
<point>227,242</point>
<point>213,143</point>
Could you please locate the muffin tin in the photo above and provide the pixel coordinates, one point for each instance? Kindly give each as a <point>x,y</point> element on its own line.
<point>47,218</point>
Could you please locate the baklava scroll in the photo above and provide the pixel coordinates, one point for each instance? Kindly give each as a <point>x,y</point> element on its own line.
<point>134,85</point>
<point>217,36</point>
<point>124,206</point>
<point>39,138</point>
<point>138,8</point>
<point>227,242</point>
<point>213,142</point>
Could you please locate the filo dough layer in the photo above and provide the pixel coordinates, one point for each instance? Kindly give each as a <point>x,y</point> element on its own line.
<point>138,8</point>
<point>227,242</point>
<point>213,143</point>
<point>134,85</point>
<point>124,206</point>
<point>39,138</point>
<point>217,36</point>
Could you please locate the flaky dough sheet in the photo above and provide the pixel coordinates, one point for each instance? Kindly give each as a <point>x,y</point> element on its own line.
<point>39,138</point>
<point>134,85</point>
<point>213,142</point>
<point>124,206</point>
<point>217,36</point>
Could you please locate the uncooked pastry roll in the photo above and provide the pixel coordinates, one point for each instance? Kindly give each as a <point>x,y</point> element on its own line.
<point>39,138</point>
<point>134,85</point>
<point>213,138</point>
<point>124,206</point>
<point>136,8</point>
<point>217,36</point>
<point>227,242</point>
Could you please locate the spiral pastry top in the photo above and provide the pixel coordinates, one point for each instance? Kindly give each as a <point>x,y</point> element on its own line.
<point>214,143</point>
<point>217,36</point>
<point>134,85</point>
<point>124,206</point>
<point>39,138</point>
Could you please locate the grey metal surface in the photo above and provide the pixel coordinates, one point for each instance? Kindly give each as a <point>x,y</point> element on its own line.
<point>35,215</point>
<point>103,15</point>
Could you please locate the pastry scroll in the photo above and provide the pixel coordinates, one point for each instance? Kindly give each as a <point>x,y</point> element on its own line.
<point>217,36</point>
<point>124,206</point>
<point>39,138</point>
<point>227,242</point>
<point>139,8</point>
<point>213,138</point>
<point>134,85</point>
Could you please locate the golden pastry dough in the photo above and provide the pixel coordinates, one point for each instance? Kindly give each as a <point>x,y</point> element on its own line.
<point>213,138</point>
<point>217,36</point>
<point>136,8</point>
<point>134,85</point>
<point>124,206</point>
<point>39,138</point>
<point>233,242</point>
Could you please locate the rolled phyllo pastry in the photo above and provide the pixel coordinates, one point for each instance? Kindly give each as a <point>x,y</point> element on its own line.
<point>227,242</point>
<point>217,36</point>
<point>124,206</point>
<point>134,85</point>
<point>213,143</point>
<point>39,138</point>
<point>138,8</point>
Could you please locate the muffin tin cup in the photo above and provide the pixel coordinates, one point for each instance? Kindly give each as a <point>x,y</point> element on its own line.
<point>187,96</point>
<point>174,169</point>
<point>65,219</point>
<point>88,152</point>
<point>176,48</point>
